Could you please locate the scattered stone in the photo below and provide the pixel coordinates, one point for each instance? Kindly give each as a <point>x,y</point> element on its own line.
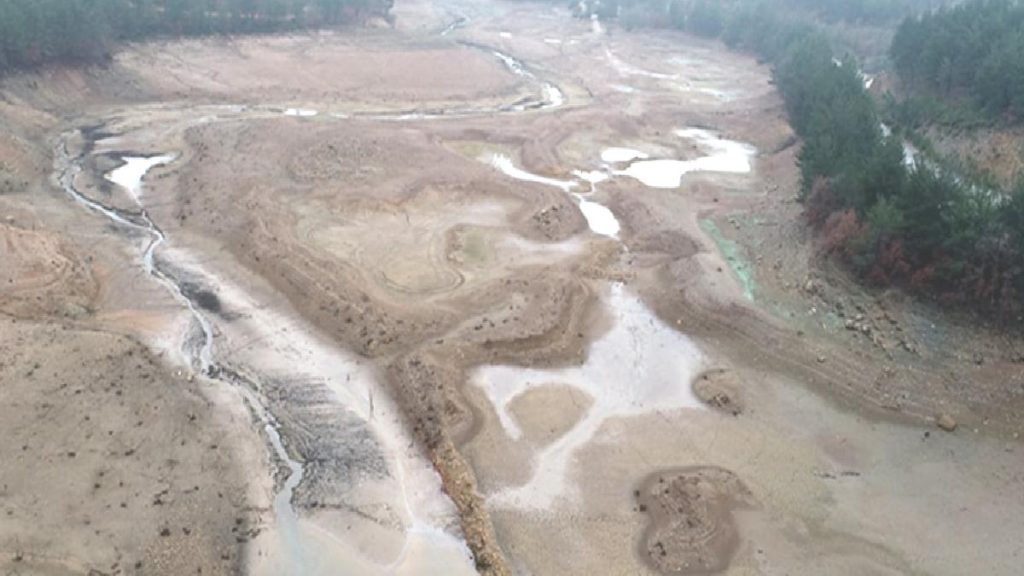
<point>946,422</point>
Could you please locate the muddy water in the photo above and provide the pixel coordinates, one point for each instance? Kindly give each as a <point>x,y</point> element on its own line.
<point>722,156</point>
<point>423,541</point>
<point>129,175</point>
<point>508,168</point>
<point>599,218</point>
<point>553,97</point>
<point>620,155</point>
<point>640,366</point>
<point>459,22</point>
<point>300,112</point>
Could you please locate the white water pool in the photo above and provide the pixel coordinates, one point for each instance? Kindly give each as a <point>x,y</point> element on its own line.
<point>639,366</point>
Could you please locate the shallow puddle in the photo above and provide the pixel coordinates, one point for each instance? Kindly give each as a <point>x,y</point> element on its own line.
<point>621,155</point>
<point>508,168</point>
<point>591,176</point>
<point>724,157</point>
<point>553,96</point>
<point>639,366</point>
<point>129,175</point>
<point>300,112</point>
<point>600,219</point>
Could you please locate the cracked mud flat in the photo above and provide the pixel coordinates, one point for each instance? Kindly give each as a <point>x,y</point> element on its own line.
<point>386,317</point>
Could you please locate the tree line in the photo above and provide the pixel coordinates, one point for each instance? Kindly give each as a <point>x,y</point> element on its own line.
<point>36,32</point>
<point>713,15</point>
<point>893,222</point>
<point>971,51</point>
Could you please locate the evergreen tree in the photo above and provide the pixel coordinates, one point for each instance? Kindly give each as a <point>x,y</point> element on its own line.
<point>34,32</point>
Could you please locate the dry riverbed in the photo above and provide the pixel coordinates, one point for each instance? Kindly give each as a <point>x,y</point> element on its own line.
<point>479,293</point>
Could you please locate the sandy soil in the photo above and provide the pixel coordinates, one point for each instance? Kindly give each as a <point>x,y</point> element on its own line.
<point>112,463</point>
<point>458,359</point>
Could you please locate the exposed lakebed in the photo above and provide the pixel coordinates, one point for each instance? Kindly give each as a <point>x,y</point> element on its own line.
<point>365,439</point>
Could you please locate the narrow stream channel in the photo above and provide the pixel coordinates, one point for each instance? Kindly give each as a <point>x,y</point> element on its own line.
<point>302,548</point>
<point>199,357</point>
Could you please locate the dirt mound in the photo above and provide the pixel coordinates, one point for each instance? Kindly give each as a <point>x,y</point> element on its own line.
<point>720,390</point>
<point>691,528</point>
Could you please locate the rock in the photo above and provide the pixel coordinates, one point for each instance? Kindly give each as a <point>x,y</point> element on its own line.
<point>72,310</point>
<point>946,422</point>
<point>810,287</point>
<point>821,359</point>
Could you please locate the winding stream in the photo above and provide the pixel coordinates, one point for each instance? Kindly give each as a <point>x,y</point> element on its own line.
<point>130,176</point>
<point>302,547</point>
